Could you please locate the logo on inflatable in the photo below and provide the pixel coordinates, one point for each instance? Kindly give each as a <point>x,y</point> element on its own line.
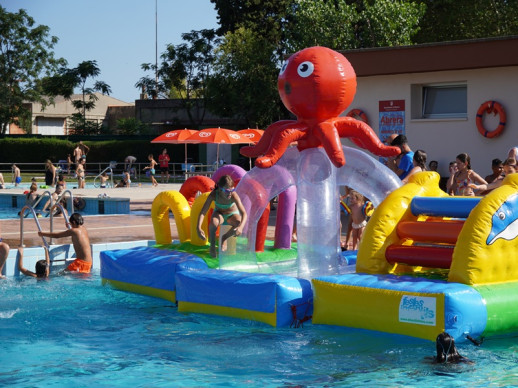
<point>420,310</point>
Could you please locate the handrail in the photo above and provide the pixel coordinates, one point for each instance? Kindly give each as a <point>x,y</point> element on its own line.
<point>27,207</point>
<point>63,212</point>
<point>58,202</point>
<point>102,172</point>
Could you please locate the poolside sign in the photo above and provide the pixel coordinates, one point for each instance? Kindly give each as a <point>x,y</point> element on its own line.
<point>420,310</point>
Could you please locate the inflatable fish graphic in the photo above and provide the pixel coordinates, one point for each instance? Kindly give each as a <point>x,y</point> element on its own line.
<point>504,223</point>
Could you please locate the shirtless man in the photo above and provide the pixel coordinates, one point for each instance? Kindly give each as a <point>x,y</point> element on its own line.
<point>17,177</point>
<point>78,154</point>
<point>81,243</point>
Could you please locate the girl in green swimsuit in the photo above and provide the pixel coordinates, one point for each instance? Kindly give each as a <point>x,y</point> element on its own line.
<point>228,209</point>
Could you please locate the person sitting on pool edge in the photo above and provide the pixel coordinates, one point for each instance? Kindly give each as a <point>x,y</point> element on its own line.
<point>446,350</point>
<point>42,266</point>
<point>81,243</point>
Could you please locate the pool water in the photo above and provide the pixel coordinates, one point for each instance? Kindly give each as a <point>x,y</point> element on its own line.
<point>72,331</point>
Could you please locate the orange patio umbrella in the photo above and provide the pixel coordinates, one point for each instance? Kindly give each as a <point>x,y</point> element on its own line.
<point>253,135</point>
<point>216,136</point>
<point>176,136</point>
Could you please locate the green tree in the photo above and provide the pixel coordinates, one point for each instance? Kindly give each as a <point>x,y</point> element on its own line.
<point>78,77</point>
<point>25,55</point>
<point>345,24</point>
<point>132,126</point>
<point>244,83</point>
<point>447,20</point>
<point>183,73</point>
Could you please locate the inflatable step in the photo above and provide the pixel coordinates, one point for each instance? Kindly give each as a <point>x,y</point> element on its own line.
<point>273,299</point>
<point>146,270</point>
<point>445,232</point>
<point>456,207</point>
<point>435,257</point>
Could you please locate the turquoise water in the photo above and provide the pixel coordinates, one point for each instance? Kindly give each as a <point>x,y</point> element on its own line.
<point>71,331</point>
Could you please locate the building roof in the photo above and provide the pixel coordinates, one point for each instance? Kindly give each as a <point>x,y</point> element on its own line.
<point>456,55</point>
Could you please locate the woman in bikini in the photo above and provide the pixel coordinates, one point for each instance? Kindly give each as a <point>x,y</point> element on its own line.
<point>459,181</point>
<point>228,209</point>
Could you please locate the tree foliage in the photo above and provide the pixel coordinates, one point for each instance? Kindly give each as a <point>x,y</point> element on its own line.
<point>66,81</point>
<point>245,79</point>
<point>342,24</point>
<point>447,20</point>
<point>25,55</point>
<point>183,72</point>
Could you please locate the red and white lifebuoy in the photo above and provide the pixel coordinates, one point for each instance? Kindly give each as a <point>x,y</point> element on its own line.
<point>358,113</point>
<point>491,107</point>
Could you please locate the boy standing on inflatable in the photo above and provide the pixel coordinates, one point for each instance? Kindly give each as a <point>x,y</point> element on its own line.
<point>228,210</point>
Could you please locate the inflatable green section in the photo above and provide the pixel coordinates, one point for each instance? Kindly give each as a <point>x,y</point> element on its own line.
<point>502,307</point>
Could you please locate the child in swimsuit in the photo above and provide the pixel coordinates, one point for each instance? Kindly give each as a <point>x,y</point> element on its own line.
<point>357,201</point>
<point>151,168</point>
<point>460,181</point>
<point>228,209</point>
<point>81,243</point>
<point>42,267</point>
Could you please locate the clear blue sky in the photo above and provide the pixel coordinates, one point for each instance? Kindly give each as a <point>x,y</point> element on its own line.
<point>118,34</point>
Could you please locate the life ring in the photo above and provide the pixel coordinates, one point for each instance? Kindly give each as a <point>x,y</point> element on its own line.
<point>355,113</point>
<point>491,107</point>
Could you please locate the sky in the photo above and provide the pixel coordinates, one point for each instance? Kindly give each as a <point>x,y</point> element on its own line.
<point>118,34</point>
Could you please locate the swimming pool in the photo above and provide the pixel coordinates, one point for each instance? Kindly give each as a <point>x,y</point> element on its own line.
<point>73,331</point>
<point>11,204</point>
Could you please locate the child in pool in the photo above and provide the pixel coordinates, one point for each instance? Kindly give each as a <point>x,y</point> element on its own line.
<point>42,266</point>
<point>359,221</point>
<point>81,243</point>
<point>228,208</point>
<point>151,168</point>
<point>103,179</point>
<point>446,350</point>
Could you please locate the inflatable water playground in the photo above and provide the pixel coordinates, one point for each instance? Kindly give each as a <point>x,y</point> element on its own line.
<point>427,262</point>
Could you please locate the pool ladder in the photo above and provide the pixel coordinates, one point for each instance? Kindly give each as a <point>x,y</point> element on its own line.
<point>110,169</point>
<point>53,206</point>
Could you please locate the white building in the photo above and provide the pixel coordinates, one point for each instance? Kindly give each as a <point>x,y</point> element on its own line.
<point>441,87</point>
<point>53,119</point>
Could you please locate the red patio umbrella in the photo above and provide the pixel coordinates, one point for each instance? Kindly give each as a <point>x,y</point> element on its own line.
<point>253,135</point>
<point>176,136</point>
<point>216,136</point>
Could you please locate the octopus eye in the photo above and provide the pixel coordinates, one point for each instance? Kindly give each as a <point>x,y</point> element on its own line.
<point>305,69</point>
<point>284,66</point>
<point>501,215</point>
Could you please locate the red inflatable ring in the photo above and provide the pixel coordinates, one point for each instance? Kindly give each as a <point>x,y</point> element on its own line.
<point>491,107</point>
<point>355,113</point>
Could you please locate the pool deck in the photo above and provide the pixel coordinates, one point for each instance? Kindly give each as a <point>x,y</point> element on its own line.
<point>105,228</point>
<point>101,229</point>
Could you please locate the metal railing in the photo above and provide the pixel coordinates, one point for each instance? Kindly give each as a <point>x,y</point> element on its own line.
<point>109,168</point>
<point>38,225</point>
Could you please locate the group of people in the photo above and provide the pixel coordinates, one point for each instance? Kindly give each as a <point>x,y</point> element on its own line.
<point>463,180</point>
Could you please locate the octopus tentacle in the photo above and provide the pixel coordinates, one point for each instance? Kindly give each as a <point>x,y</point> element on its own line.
<point>330,140</point>
<point>280,142</point>
<point>263,145</point>
<point>363,135</point>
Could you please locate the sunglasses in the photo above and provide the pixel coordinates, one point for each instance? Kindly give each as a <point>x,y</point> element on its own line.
<point>228,191</point>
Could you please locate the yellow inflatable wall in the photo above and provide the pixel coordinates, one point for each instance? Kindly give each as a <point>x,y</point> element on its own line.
<point>380,231</point>
<point>177,203</point>
<point>487,246</point>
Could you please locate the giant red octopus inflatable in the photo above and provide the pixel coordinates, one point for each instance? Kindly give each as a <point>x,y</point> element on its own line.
<point>316,84</point>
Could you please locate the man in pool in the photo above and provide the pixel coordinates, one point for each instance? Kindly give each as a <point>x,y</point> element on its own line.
<point>42,266</point>
<point>81,243</point>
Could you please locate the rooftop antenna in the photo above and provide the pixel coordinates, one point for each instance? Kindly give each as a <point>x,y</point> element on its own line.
<point>156,49</point>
